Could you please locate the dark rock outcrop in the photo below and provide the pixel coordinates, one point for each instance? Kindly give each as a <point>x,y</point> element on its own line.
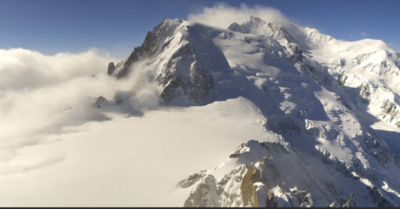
<point>111,68</point>
<point>185,74</point>
<point>153,44</point>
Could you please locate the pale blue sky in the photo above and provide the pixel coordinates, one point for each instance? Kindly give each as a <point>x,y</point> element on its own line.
<point>118,26</point>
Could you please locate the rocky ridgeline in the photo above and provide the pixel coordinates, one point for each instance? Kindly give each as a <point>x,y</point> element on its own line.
<point>278,32</point>
<point>153,44</point>
<point>185,74</point>
<point>268,181</point>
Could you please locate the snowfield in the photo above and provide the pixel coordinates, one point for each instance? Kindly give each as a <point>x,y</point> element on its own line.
<point>255,114</point>
<point>135,161</point>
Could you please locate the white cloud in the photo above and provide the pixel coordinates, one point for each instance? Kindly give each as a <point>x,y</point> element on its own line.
<point>222,15</point>
<point>363,33</point>
<point>21,68</point>
<point>360,33</point>
<point>42,95</point>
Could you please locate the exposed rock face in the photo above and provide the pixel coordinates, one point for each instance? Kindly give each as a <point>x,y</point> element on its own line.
<point>99,101</point>
<point>152,45</point>
<point>256,26</point>
<point>390,112</point>
<point>204,195</point>
<point>271,175</point>
<point>192,179</point>
<point>247,188</point>
<point>307,201</point>
<point>350,202</point>
<point>111,68</point>
<point>226,193</point>
<point>185,75</point>
<point>261,181</point>
<point>278,32</point>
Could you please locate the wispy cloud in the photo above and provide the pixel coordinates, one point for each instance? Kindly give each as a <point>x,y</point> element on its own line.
<point>359,33</point>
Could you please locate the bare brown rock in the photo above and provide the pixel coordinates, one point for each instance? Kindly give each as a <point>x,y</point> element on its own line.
<point>247,186</point>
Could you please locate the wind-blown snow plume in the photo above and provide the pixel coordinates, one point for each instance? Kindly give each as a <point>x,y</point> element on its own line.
<point>222,15</point>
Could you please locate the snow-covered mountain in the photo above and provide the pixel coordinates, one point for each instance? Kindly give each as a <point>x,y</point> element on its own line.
<point>326,107</point>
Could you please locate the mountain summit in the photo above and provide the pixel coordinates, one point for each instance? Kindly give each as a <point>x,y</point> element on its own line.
<point>324,103</point>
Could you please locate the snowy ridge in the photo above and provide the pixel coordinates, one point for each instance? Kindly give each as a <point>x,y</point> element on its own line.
<point>269,175</point>
<point>319,97</point>
<point>154,42</point>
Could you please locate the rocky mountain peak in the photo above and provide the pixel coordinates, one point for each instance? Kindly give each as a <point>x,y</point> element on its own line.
<point>153,44</point>
<point>256,25</point>
<point>317,95</point>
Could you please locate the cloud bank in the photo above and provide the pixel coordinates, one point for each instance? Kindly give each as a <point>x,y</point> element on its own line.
<point>222,15</point>
<point>43,95</point>
<point>21,68</point>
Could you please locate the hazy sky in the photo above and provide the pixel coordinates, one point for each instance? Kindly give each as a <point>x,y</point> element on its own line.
<point>118,26</point>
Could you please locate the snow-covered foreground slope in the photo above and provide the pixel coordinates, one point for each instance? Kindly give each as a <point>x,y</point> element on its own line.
<point>135,161</point>
<point>253,115</point>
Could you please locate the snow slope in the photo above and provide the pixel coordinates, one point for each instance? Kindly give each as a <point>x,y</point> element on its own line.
<point>314,117</point>
<point>135,161</point>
